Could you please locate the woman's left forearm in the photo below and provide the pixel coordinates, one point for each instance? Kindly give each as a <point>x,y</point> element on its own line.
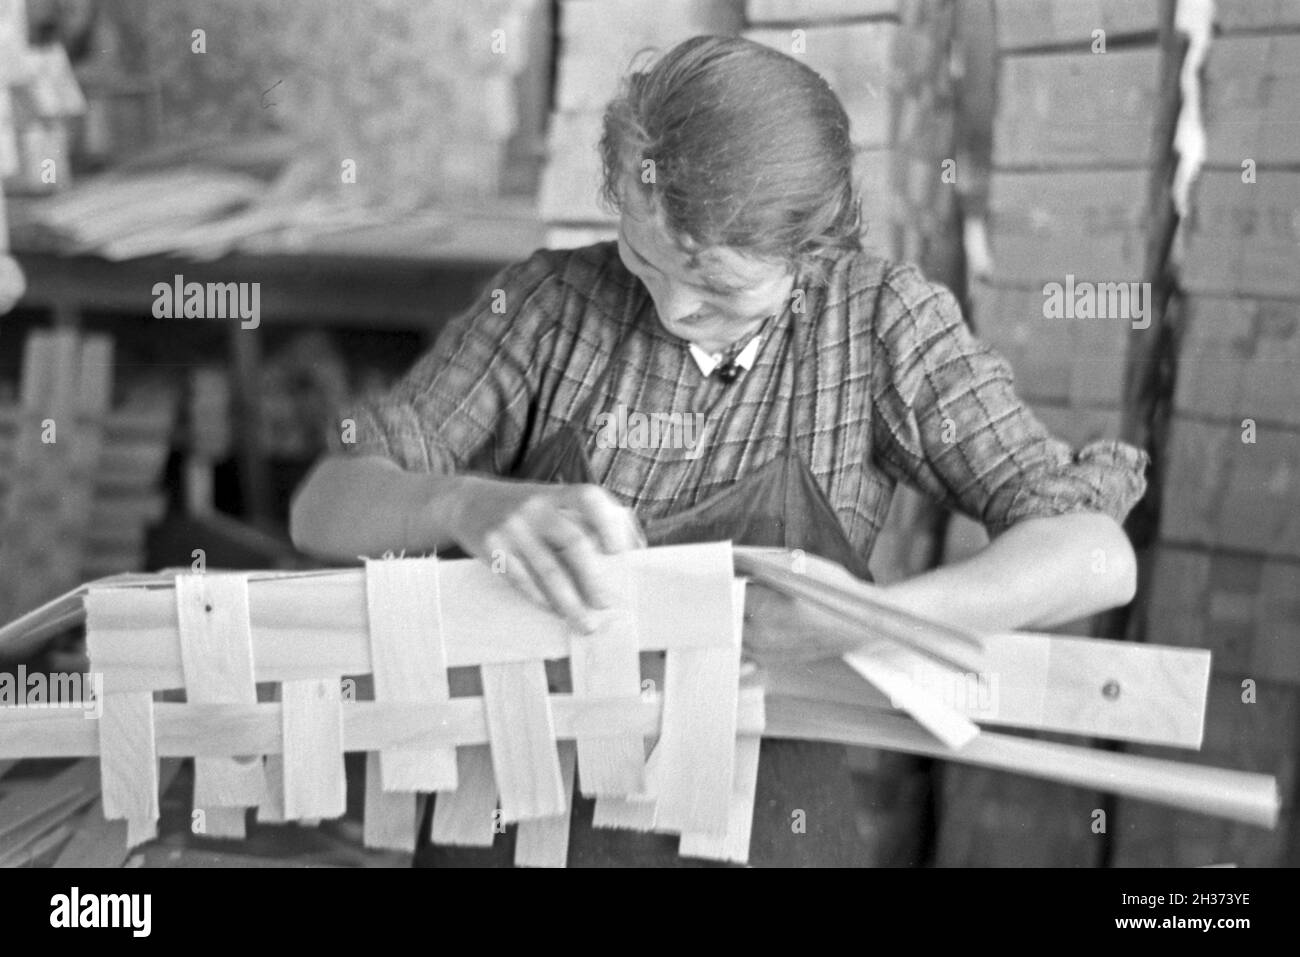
<point>1039,573</point>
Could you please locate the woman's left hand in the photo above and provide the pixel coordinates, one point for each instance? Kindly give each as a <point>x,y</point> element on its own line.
<point>782,630</point>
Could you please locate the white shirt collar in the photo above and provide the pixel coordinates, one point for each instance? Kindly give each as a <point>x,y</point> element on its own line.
<point>710,361</point>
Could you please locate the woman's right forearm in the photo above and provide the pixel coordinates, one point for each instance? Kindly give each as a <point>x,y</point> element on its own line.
<point>351,506</point>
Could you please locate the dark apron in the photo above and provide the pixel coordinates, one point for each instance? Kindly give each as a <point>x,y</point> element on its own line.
<point>782,505</point>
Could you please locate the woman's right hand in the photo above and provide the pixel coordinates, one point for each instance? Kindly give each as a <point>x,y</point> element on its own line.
<point>546,539</point>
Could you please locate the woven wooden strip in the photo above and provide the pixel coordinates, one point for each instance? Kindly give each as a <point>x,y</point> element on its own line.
<point>217,656</point>
<point>129,764</point>
<point>389,817</point>
<point>522,732</point>
<point>409,662</point>
<point>313,624</point>
<point>545,842</point>
<point>701,688</point>
<point>468,816</point>
<point>314,783</point>
<point>607,663</point>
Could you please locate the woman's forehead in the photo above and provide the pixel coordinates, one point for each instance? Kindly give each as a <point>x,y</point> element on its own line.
<point>643,225</point>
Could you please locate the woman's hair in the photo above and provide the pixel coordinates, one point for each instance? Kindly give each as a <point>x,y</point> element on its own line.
<point>739,145</point>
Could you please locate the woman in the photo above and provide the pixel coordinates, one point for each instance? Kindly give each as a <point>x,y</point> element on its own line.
<point>737,297</point>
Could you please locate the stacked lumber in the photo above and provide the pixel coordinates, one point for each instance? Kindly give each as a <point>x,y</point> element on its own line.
<point>78,478</point>
<point>600,41</point>
<point>364,660</point>
<point>1227,565</point>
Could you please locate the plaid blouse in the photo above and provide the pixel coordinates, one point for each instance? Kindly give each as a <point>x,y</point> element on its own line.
<point>892,387</point>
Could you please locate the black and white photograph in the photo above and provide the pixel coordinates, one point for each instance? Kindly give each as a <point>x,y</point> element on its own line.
<point>645,434</point>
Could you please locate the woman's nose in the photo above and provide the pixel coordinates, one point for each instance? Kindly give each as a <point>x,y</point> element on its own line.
<point>675,302</point>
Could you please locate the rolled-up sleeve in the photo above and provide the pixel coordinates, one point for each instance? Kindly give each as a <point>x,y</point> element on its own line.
<point>465,403</point>
<point>947,420</point>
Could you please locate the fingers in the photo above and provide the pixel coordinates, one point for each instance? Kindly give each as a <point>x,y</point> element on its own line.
<point>541,564</point>
<point>553,540</point>
<point>614,527</point>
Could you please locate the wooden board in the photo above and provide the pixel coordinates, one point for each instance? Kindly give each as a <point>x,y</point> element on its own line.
<point>698,739</point>
<point>545,842</point>
<point>1252,798</point>
<point>522,732</point>
<point>314,783</point>
<point>389,818</point>
<point>217,656</point>
<point>607,663</point>
<point>1051,683</point>
<point>468,815</point>
<point>29,813</point>
<point>409,662</point>
<point>129,763</point>
<point>485,619</point>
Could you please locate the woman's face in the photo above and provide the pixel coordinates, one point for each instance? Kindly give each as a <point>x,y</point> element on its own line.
<point>711,297</point>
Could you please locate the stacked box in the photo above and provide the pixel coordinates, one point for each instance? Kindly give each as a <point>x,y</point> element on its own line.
<point>600,42</point>
<point>1024,24</point>
<point>1226,573</point>
<point>1073,143</point>
<point>889,62</point>
<point>1072,152</point>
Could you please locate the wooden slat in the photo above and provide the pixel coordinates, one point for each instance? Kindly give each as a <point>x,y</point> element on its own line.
<point>1240,796</point>
<point>217,730</point>
<point>467,816</point>
<point>734,846</point>
<point>271,808</point>
<point>522,734</point>
<point>389,818</point>
<point>698,738</point>
<point>607,663</point>
<point>545,842</point>
<point>1050,683</point>
<point>186,730</point>
<point>408,662</point>
<point>223,823</point>
<point>129,764</point>
<point>314,782</point>
<point>888,669</point>
<point>25,814</point>
<point>217,656</point>
<point>485,620</point>
<point>833,590</point>
<point>635,812</point>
